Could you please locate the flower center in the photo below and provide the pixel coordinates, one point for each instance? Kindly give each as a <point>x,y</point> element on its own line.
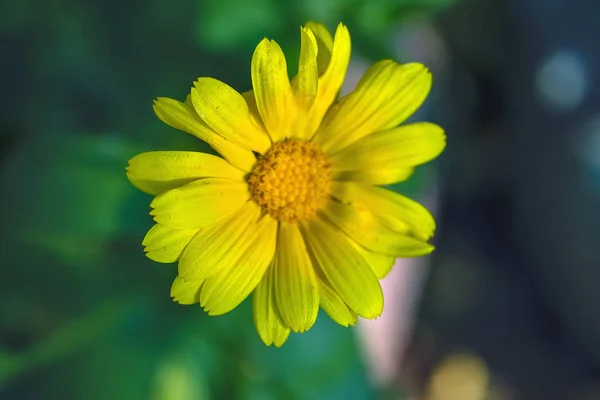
<point>291,181</point>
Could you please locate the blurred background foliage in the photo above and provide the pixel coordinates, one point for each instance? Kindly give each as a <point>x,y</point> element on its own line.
<point>505,309</point>
<point>84,314</point>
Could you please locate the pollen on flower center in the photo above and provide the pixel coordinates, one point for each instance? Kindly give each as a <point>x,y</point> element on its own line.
<point>291,181</point>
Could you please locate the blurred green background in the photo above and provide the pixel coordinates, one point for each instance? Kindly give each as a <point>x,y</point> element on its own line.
<point>506,308</point>
<point>84,314</point>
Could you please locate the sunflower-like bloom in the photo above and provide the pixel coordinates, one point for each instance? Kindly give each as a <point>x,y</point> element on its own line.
<point>292,211</point>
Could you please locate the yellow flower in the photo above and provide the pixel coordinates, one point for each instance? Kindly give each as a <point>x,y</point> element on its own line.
<point>292,212</point>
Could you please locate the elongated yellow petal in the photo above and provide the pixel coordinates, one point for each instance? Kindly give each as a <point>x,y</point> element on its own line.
<point>387,94</point>
<point>332,78</point>
<point>272,89</point>
<point>374,176</point>
<point>295,284</point>
<point>369,232</point>
<point>200,203</point>
<point>333,304</point>
<point>226,111</point>
<point>305,84</point>
<point>392,209</point>
<point>253,108</point>
<point>324,45</point>
<point>229,286</point>
<point>350,276</point>
<point>165,245</point>
<point>158,171</point>
<point>184,292</point>
<point>267,320</point>
<point>182,116</point>
<point>219,245</point>
<point>381,264</point>
<point>393,149</point>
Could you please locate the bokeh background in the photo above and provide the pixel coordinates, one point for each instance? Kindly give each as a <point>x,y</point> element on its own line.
<point>508,306</point>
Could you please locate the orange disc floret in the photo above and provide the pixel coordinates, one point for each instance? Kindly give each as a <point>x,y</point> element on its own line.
<point>291,181</point>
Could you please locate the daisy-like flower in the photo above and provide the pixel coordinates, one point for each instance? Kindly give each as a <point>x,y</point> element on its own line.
<point>293,211</point>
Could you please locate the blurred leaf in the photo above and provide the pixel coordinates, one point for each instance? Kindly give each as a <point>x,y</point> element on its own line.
<point>69,193</point>
<point>116,369</point>
<point>66,193</point>
<point>229,25</point>
<point>327,12</point>
<point>322,363</point>
<point>178,378</point>
<point>66,339</point>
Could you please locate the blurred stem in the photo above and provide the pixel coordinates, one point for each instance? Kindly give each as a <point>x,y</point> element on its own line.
<point>74,335</point>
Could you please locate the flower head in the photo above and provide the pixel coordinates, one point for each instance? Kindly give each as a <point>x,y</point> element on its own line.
<point>292,211</point>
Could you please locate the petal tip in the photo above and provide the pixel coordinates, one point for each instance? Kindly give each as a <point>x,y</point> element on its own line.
<point>265,41</point>
<point>341,28</point>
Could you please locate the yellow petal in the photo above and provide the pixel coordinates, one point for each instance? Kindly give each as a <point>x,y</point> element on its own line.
<point>369,232</point>
<point>387,94</point>
<point>374,176</point>
<point>267,321</point>
<point>305,84</point>
<point>226,111</point>
<point>345,269</point>
<point>184,292</point>
<point>324,44</point>
<point>393,149</point>
<point>200,203</point>
<point>336,59</point>
<point>219,245</point>
<point>183,117</point>
<point>230,285</point>
<point>253,108</point>
<point>397,212</point>
<point>165,245</point>
<point>295,284</point>
<point>381,264</point>
<point>272,90</point>
<point>333,304</point>
<point>158,171</point>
